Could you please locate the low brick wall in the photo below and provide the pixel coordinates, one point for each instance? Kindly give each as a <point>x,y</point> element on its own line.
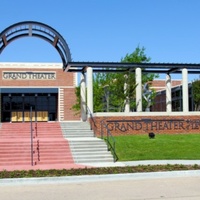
<point>129,125</point>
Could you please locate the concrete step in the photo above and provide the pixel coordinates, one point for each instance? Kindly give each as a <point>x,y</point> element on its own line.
<point>106,155</point>
<point>93,160</point>
<point>76,136</point>
<point>88,151</point>
<point>84,146</point>
<point>87,148</point>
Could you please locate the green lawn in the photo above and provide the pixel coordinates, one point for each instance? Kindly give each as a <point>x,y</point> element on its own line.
<point>140,147</point>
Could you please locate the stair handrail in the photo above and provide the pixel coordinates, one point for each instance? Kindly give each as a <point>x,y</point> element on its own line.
<point>110,140</point>
<point>92,118</point>
<point>38,150</point>
<point>31,131</point>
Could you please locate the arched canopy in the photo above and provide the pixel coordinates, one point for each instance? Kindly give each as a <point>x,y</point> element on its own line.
<point>36,29</point>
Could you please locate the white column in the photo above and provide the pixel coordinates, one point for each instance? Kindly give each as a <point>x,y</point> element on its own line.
<point>185,90</point>
<point>90,90</point>
<point>83,98</point>
<point>138,75</point>
<point>168,94</point>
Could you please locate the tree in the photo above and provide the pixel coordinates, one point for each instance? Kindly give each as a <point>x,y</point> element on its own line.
<point>77,106</point>
<point>196,94</point>
<point>115,84</point>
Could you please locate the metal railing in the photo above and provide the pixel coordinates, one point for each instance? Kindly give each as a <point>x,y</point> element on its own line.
<point>92,118</point>
<point>110,140</point>
<point>38,150</point>
<point>32,152</point>
<point>32,138</point>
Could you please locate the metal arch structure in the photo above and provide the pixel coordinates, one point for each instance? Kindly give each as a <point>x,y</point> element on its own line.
<point>36,29</point>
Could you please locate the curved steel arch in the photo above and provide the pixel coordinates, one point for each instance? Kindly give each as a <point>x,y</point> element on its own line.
<point>36,29</point>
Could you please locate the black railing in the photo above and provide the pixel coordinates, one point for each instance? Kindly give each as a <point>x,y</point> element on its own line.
<point>32,138</point>
<point>32,152</point>
<point>38,150</point>
<point>110,140</point>
<point>91,121</point>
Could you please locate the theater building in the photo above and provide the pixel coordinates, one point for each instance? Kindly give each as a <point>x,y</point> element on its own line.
<point>42,88</point>
<point>46,92</point>
<point>159,104</point>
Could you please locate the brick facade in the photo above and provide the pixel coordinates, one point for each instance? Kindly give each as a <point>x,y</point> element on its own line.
<point>130,125</point>
<point>159,85</point>
<point>65,82</point>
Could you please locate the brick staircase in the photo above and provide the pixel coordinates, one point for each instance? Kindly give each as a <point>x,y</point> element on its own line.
<point>49,146</point>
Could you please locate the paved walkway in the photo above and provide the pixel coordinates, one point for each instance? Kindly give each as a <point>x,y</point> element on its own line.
<point>103,164</point>
<point>146,162</point>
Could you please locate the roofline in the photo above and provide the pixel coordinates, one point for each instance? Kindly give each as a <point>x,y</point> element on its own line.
<point>158,68</point>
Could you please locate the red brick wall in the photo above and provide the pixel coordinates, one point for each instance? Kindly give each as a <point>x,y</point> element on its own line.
<point>161,84</point>
<point>63,80</point>
<point>69,101</point>
<point>146,124</point>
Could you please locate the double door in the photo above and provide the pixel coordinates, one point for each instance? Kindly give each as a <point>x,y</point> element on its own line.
<point>40,116</point>
<point>16,107</point>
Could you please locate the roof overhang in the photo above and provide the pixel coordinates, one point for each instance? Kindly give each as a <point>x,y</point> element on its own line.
<point>120,67</point>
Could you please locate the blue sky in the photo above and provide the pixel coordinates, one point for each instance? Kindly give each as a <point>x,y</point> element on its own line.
<point>106,30</point>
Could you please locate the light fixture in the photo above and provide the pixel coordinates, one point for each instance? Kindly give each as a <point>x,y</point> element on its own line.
<point>151,135</point>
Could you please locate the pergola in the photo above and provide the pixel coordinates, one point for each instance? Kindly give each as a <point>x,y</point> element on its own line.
<point>139,68</point>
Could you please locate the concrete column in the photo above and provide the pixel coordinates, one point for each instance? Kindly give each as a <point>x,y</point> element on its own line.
<point>138,76</point>
<point>90,90</point>
<point>83,98</point>
<point>168,94</point>
<point>185,90</point>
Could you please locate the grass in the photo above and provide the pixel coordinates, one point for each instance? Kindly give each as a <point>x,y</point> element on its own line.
<point>140,147</point>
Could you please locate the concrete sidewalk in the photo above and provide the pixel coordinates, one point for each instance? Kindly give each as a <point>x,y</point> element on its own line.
<point>97,164</point>
<point>143,162</point>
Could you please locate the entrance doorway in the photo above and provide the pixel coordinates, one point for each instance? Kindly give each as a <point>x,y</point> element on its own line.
<point>16,106</point>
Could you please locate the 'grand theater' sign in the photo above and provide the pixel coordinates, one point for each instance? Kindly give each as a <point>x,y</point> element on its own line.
<point>28,75</point>
<point>153,125</point>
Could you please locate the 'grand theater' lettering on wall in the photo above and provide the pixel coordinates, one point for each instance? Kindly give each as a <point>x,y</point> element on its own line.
<point>146,124</point>
<point>28,75</point>
<point>152,125</point>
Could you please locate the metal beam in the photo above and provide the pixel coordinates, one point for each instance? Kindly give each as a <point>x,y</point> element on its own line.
<point>112,67</point>
<point>55,41</point>
<point>30,30</point>
<point>4,40</point>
